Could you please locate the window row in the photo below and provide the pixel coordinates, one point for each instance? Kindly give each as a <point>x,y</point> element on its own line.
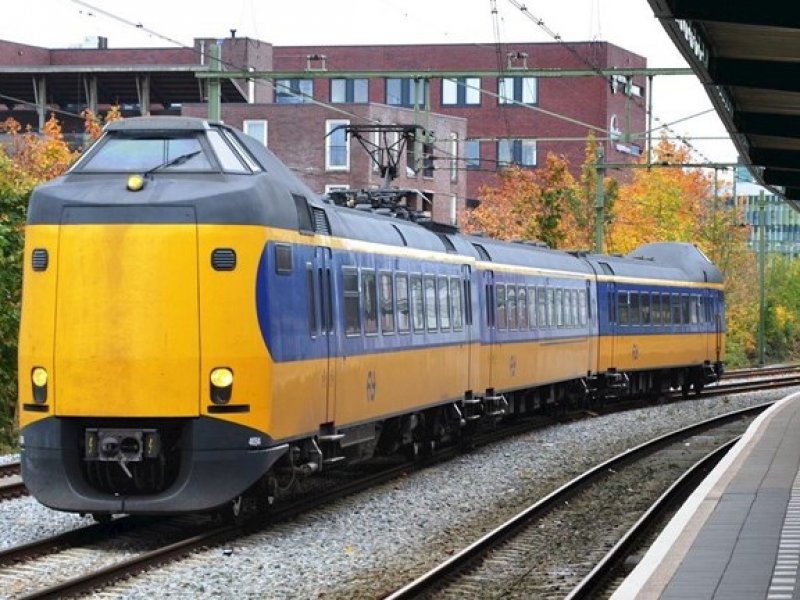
<point>405,91</point>
<point>654,308</point>
<point>539,307</point>
<point>402,302</point>
<point>508,151</point>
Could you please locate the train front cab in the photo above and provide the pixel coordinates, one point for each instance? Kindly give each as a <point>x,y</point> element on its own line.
<point>144,326</point>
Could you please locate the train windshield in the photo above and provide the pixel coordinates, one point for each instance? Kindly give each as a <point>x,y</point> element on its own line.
<point>141,154</point>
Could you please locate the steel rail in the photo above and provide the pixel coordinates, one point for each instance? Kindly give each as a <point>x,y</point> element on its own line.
<point>677,492</point>
<point>463,558</point>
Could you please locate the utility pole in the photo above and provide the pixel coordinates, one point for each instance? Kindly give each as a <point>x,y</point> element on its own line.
<point>214,86</point>
<point>762,251</point>
<point>599,204</point>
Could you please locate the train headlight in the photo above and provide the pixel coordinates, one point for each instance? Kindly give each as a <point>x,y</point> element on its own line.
<point>39,380</point>
<point>135,183</point>
<point>221,385</point>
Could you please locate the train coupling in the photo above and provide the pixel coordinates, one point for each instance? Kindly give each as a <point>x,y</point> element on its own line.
<point>121,445</point>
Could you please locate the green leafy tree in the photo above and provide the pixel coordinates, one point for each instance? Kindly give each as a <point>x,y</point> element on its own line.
<point>27,161</point>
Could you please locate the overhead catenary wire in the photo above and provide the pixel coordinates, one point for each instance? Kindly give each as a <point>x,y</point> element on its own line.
<point>571,49</point>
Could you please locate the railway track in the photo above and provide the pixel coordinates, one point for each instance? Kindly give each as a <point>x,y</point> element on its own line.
<point>533,554</point>
<point>35,561</point>
<point>11,485</point>
<point>184,543</point>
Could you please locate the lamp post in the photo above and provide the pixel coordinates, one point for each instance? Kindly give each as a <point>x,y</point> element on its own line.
<point>762,251</point>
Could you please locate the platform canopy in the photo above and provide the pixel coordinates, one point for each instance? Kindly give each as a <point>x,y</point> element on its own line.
<point>747,54</point>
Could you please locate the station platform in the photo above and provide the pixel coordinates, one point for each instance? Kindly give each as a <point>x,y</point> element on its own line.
<point>738,536</point>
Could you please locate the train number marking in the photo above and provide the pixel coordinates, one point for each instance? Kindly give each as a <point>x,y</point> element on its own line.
<point>635,352</point>
<point>371,386</point>
<point>512,366</point>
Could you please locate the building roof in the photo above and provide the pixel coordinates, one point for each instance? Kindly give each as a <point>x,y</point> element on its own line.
<point>748,57</point>
<point>169,84</point>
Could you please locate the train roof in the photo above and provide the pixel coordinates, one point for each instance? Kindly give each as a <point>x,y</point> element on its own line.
<point>661,260</point>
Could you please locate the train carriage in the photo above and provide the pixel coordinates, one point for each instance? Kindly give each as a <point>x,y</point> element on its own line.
<point>198,327</point>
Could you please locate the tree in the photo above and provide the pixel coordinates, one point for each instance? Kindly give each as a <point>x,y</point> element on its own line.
<point>25,162</point>
<point>546,204</point>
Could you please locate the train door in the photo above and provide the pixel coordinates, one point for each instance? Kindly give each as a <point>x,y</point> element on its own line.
<point>717,303</point>
<point>488,329</point>
<point>326,344</point>
<point>473,349</point>
<point>613,325</point>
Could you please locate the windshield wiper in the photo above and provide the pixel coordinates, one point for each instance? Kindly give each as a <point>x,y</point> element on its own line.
<point>178,160</point>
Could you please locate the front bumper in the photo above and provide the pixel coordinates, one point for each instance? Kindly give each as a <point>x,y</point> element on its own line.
<point>217,463</point>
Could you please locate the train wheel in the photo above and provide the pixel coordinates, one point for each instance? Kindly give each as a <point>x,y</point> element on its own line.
<point>101,518</point>
<point>233,512</point>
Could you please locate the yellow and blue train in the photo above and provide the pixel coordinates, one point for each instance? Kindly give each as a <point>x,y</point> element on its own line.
<point>198,327</point>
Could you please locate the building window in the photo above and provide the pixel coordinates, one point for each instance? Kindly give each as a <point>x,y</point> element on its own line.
<point>520,152</point>
<point>472,154</point>
<point>350,91</point>
<point>517,90</point>
<point>463,91</point>
<point>293,91</point>
<point>406,91</point>
<point>427,160</point>
<point>337,146</point>
<point>256,129</point>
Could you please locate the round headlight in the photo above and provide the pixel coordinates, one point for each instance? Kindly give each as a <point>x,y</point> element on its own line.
<point>222,377</point>
<point>39,377</point>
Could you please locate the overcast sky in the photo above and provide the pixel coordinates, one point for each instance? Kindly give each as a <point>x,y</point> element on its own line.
<point>626,23</point>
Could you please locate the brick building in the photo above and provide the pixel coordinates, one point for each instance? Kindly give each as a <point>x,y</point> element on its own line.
<point>488,106</point>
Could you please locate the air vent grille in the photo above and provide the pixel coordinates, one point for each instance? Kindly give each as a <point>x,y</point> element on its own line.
<point>223,259</point>
<point>40,259</point>
<point>321,224</point>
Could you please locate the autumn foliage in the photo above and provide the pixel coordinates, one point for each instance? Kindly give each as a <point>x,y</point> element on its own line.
<point>666,202</point>
<point>26,160</point>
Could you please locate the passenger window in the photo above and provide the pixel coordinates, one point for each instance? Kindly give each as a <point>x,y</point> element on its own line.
<point>417,306</point>
<point>622,308</point>
<point>582,307</point>
<point>444,302</point>
<point>511,306</point>
<point>352,313</point>
<point>430,302</point>
<point>676,309</point>
<point>644,307</point>
<point>567,308</point>
<point>532,307</point>
<point>685,305</point>
<point>559,307</point>
<point>551,308</point>
<point>370,305</point>
<point>633,310</point>
<point>666,311</point>
<point>541,303</point>
<point>455,303</point>
<point>403,323</point>
<point>500,296</point>
<point>387,303</point>
<point>311,297</point>
<point>575,321</point>
<point>655,309</point>
<point>522,305</point>
<point>283,259</point>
